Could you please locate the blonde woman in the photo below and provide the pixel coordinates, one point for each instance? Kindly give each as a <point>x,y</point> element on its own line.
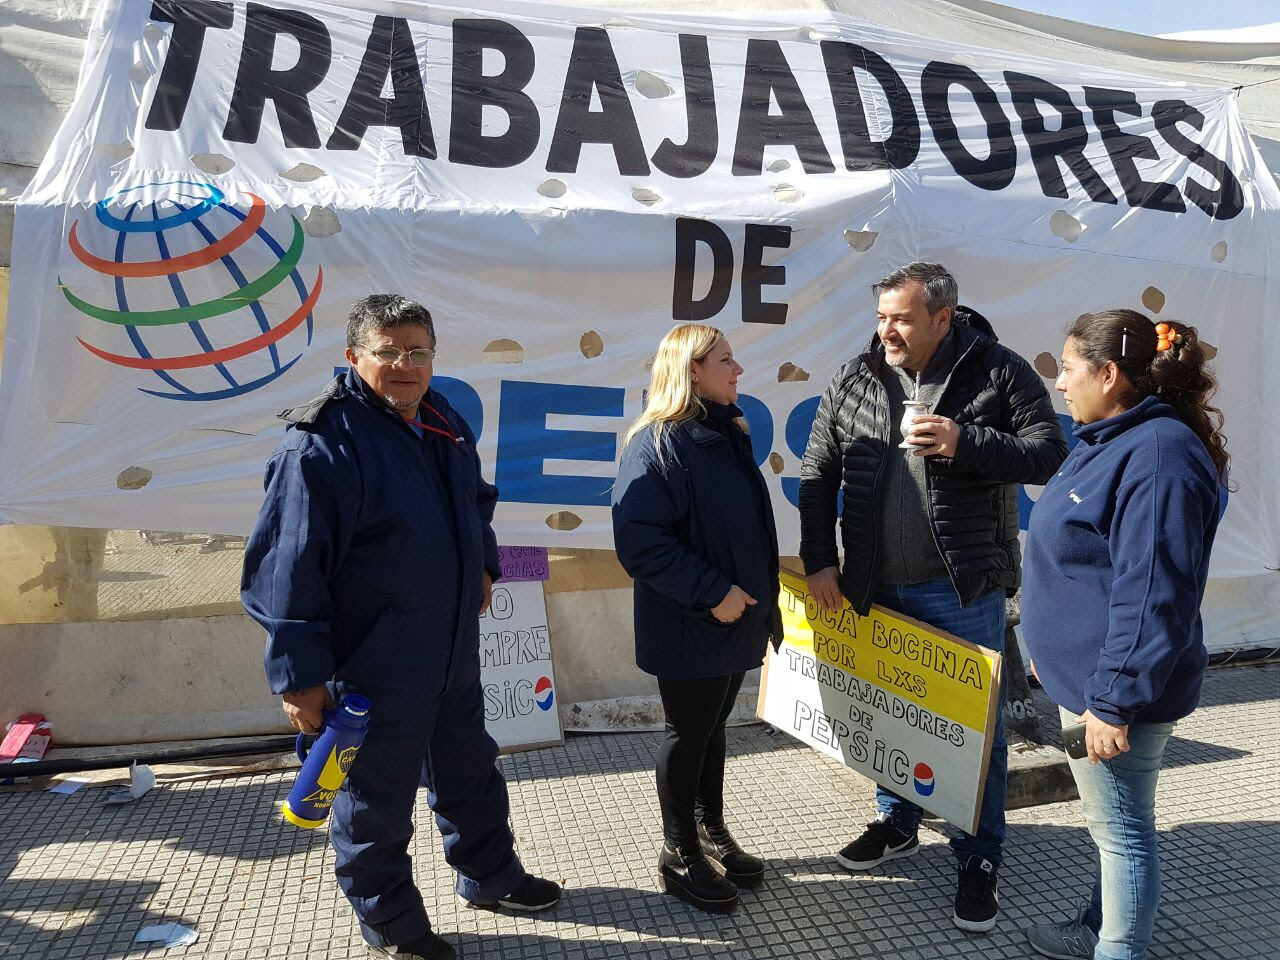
<point>693,525</point>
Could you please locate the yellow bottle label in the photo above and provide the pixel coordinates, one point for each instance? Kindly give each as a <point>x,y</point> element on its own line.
<point>336,767</point>
<point>322,799</point>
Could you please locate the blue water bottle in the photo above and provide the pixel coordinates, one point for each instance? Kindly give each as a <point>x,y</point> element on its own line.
<point>325,764</point>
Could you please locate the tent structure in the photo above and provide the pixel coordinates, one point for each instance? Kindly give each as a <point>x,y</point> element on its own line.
<point>499,248</point>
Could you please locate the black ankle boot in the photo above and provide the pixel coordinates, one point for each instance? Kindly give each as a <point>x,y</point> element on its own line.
<point>718,844</point>
<point>689,877</point>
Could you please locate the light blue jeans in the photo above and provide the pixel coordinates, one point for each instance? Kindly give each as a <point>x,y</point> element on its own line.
<point>981,622</point>
<point>1118,797</point>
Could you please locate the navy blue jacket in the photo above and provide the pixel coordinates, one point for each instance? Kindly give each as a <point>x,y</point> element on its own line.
<point>367,527</point>
<point>688,526</point>
<point>1116,563</point>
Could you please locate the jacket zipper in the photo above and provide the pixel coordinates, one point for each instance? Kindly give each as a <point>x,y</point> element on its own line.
<point>420,444</point>
<point>869,590</point>
<point>928,480</point>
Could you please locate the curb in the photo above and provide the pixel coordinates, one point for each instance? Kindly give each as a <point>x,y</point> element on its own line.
<point>1038,774</point>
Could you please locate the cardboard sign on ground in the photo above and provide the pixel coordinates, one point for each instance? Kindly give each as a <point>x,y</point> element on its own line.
<point>911,707</point>
<point>515,668</point>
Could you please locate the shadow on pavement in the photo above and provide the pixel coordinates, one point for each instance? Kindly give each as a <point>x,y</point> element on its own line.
<point>1181,751</point>
<point>38,914</point>
<point>808,902</point>
<point>1185,752</point>
<point>632,753</point>
<point>1228,684</point>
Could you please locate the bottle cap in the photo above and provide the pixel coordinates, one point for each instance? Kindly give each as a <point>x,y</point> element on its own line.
<point>355,704</point>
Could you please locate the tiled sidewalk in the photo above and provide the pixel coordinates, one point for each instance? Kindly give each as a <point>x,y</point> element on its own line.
<point>79,879</point>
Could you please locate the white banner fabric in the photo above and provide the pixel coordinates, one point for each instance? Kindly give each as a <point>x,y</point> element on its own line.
<point>559,185</point>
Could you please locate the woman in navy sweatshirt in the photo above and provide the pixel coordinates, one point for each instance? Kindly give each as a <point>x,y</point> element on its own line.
<point>1116,563</point>
<point>693,525</point>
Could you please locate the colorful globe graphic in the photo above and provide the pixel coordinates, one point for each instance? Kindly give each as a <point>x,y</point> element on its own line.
<point>192,288</point>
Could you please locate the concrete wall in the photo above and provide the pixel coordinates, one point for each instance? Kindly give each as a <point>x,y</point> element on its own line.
<point>169,675</point>
<point>134,681</point>
<point>49,574</point>
<point>592,646</point>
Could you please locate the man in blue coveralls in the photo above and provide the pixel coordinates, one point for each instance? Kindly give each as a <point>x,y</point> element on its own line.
<point>369,564</point>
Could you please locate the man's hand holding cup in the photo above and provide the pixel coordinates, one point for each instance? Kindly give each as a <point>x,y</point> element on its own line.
<point>932,435</point>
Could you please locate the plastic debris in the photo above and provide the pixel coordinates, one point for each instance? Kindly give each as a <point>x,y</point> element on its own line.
<point>168,934</point>
<point>141,780</point>
<point>68,786</point>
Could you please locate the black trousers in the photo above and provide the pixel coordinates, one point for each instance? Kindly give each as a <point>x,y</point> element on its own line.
<point>690,770</point>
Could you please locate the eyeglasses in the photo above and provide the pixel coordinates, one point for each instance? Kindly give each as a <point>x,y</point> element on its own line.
<point>421,357</point>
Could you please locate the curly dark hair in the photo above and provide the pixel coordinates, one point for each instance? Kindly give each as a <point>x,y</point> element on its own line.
<point>1179,374</point>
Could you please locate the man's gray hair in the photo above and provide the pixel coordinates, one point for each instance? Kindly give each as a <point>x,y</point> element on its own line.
<point>940,287</point>
<point>382,311</point>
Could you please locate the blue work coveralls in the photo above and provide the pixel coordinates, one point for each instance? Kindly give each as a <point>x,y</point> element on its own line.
<point>365,567</point>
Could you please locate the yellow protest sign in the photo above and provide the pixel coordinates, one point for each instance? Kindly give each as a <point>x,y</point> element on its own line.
<point>903,703</point>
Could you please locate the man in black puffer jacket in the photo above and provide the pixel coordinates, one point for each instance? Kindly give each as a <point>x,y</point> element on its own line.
<point>929,519</point>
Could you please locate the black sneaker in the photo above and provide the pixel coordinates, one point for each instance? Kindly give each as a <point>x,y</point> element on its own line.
<point>426,947</point>
<point>533,894</point>
<point>881,841</point>
<point>977,905</point>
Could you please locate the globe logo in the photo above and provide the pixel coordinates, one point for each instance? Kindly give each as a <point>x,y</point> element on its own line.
<point>192,288</point>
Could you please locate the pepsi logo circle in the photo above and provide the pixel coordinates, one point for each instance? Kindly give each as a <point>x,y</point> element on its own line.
<point>202,293</point>
<point>924,779</point>
<point>543,694</point>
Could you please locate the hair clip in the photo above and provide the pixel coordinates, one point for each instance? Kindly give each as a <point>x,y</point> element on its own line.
<point>1124,341</point>
<point>1166,337</point>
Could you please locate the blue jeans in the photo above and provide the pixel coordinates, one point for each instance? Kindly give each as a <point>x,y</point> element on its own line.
<point>981,622</point>
<point>1118,797</point>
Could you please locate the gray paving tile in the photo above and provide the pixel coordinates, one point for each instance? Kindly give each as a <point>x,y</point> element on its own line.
<point>78,880</point>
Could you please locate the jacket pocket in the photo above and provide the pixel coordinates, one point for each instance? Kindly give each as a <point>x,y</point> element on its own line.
<point>704,616</point>
<point>393,663</point>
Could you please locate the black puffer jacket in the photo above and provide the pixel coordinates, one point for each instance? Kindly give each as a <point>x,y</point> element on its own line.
<point>1009,434</point>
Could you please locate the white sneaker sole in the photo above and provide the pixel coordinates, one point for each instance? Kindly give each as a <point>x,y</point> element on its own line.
<point>868,864</point>
<point>528,907</point>
<point>976,926</point>
<point>1049,952</point>
<point>510,905</point>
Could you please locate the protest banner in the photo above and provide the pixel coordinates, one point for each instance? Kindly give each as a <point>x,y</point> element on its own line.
<point>515,668</point>
<point>908,706</point>
<point>559,185</point>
